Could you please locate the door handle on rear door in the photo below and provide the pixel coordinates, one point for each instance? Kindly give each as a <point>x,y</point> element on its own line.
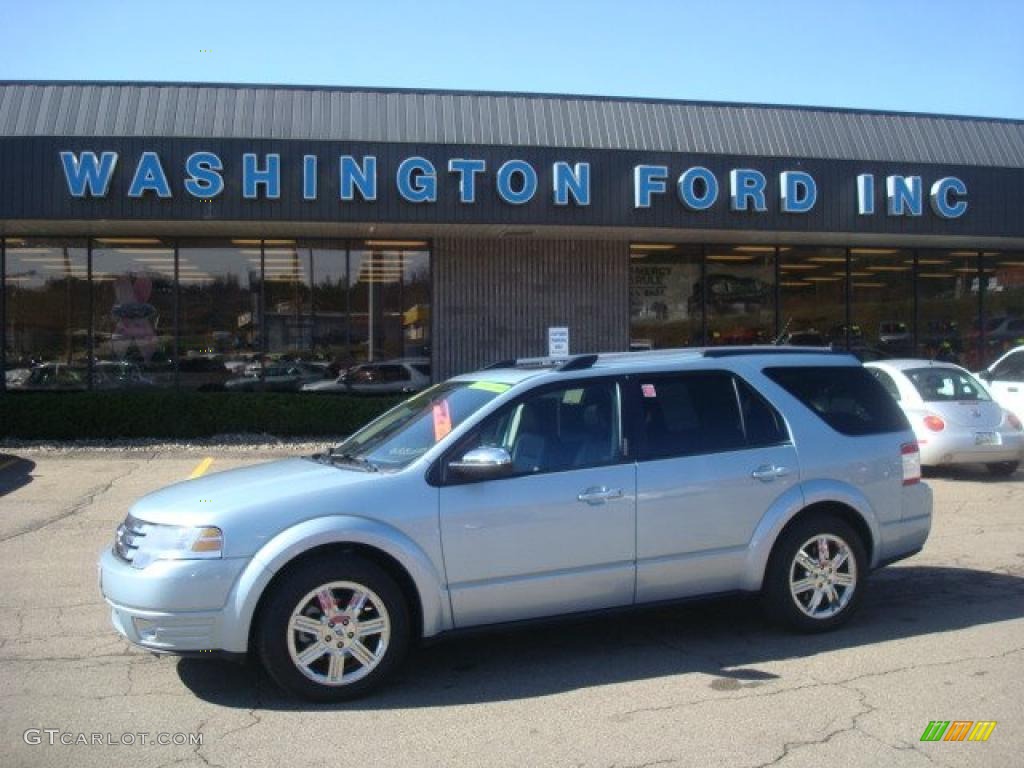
<point>599,494</point>
<point>768,472</point>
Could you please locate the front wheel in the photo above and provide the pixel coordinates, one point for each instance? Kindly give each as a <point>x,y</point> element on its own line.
<point>334,629</point>
<point>815,575</point>
<point>1003,468</point>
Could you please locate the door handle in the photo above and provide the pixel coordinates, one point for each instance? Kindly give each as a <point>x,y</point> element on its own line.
<point>1011,389</point>
<point>768,472</point>
<point>599,494</point>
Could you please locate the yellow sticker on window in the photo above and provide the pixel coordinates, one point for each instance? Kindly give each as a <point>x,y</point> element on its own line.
<point>573,397</point>
<point>490,386</point>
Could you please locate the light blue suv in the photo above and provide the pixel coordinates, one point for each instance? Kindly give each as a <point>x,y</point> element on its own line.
<point>532,489</point>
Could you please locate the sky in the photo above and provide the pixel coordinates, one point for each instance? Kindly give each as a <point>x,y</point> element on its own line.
<point>939,56</point>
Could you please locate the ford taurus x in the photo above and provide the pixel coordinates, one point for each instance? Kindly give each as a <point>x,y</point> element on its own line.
<point>533,489</point>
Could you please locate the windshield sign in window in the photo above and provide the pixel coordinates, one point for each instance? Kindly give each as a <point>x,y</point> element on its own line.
<point>409,430</point>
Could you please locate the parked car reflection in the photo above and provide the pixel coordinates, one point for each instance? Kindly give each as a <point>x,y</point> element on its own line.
<point>277,378</point>
<point>384,378</point>
<point>55,376</point>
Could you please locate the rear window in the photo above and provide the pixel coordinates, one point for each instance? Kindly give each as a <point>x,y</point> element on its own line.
<point>936,385</point>
<point>847,398</point>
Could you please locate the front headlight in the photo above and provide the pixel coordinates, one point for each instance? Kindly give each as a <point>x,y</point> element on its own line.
<point>141,543</point>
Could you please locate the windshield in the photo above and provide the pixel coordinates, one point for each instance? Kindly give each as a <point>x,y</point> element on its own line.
<point>410,429</point>
<point>945,384</point>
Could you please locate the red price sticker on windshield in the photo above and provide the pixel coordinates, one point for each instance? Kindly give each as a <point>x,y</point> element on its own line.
<point>648,390</point>
<point>442,420</point>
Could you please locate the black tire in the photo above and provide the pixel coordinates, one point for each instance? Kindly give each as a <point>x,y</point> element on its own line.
<point>272,633</point>
<point>780,604</point>
<point>1003,468</point>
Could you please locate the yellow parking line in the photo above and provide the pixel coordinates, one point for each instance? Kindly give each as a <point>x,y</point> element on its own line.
<point>200,470</point>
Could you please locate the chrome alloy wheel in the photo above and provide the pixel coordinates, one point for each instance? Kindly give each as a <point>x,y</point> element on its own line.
<point>823,576</point>
<point>338,633</point>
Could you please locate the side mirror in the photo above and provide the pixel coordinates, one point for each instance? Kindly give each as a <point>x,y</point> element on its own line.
<point>985,375</point>
<point>484,462</point>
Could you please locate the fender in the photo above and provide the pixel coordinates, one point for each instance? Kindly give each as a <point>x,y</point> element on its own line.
<point>788,506</point>
<point>336,529</point>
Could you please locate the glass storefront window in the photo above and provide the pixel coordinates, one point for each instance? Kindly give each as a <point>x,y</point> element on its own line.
<point>133,313</point>
<point>881,303</point>
<point>288,272</point>
<point>221,344</point>
<point>812,294</point>
<point>947,289</point>
<point>1004,304</point>
<point>329,277</point>
<point>738,289</point>
<point>389,300</point>
<point>664,298</point>
<point>46,314</point>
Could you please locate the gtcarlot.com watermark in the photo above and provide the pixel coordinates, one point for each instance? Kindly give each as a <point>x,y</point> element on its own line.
<point>59,737</point>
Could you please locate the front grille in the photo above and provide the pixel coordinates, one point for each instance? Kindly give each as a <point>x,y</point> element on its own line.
<point>126,540</point>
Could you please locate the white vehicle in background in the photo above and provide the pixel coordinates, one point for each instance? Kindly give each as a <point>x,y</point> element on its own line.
<point>954,417</point>
<point>1005,380</point>
<point>391,377</point>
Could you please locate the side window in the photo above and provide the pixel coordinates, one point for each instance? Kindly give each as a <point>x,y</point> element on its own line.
<point>389,373</point>
<point>886,381</point>
<point>361,375</point>
<point>762,424</point>
<point>847,398</point>
<point>570,427</point>
<point>1010,369</point>
<point>688,413</point>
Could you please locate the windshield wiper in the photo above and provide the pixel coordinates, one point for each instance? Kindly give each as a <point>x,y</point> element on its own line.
<point>351,458</point>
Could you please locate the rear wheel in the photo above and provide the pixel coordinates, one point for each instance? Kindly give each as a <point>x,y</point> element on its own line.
<point>1003,468</point>
<point>814,580</point>
<point>334,629</point>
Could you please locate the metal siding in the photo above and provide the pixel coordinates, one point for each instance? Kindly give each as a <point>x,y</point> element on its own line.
<point>497,298</point>
<point>255,112</point>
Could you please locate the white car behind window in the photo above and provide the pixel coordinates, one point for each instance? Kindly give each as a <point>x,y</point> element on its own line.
<point>1005,379</point>
<point>954,417</point>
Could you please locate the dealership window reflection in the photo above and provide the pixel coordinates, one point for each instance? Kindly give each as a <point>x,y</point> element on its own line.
<point>881,303</point>
<point>133,313</point>
<point>738,291</point>
<point>1004,304</point>
<point>47,314</point>
<point>812,295</point>
<point>219,312</point>
<point>389,300</point>
<point>664,301</point>
<point>948,304</point>
<point>329,280</point>
<point>288,272</point>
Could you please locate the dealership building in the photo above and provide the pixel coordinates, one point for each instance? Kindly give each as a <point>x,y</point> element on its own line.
<point>172,235</point>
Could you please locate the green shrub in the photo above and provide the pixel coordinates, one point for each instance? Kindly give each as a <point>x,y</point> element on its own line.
<point>70,415</point>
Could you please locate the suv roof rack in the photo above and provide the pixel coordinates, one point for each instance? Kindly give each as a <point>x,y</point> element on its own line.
<point>574,363</point>
<point>582,362</point>
<point>772,350</point>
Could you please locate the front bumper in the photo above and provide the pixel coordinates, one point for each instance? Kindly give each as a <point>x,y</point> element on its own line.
<point>957,446</point>
<point>171,606</point>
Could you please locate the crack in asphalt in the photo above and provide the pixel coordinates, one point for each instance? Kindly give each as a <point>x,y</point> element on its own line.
<point>80,506</point>
<point>815,684</point>
<point>790,747</point>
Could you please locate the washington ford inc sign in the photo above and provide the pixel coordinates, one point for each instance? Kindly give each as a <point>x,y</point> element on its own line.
<point>416,180</point>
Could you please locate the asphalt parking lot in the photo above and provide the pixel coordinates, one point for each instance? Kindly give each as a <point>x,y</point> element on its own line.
<point>939,637</point>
